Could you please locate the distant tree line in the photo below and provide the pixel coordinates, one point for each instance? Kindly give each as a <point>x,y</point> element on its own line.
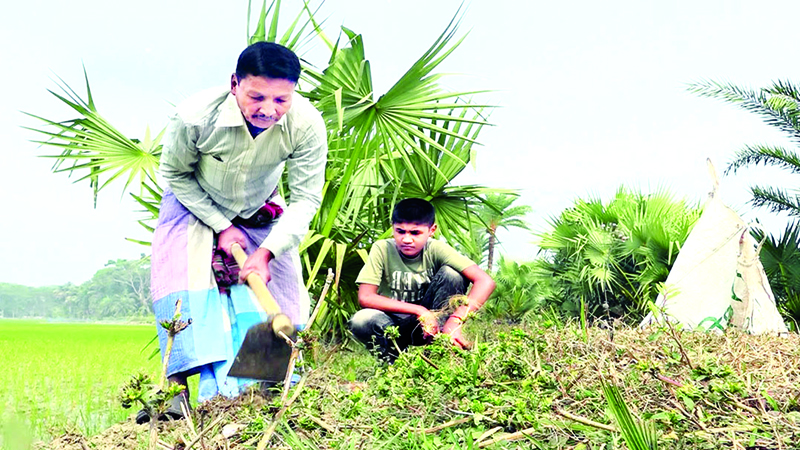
<point>120,290</point>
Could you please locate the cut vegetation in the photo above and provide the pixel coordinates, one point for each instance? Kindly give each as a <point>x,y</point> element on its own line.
<point>537,386</point>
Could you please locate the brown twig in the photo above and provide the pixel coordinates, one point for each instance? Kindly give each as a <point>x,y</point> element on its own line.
<point>675,337</point>
<point>508,437</point>
<point>667,380</point>
<point>487,434</point>
<point>321,423</point>
<point>262,444</point>
<point>444,425</point>
<point>584,420</point>
<point>744,407</point>
<point>203,432</point>
<point>687,414</point>
<point>287,380</point>
<point>427,360</point>
<point>188,417</point>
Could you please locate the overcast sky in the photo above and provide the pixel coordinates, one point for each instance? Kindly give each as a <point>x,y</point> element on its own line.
<point>591,95</point>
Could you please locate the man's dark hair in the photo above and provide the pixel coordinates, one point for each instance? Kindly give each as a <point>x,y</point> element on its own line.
<point>268,59</point>
<point>414,210</point>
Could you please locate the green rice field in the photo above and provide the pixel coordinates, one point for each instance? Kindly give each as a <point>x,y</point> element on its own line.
<point>66,376</point>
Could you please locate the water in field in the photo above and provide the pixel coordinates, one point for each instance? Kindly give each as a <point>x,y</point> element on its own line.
<point>67,376</point>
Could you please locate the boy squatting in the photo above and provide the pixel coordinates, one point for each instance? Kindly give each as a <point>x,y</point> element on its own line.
<point>410,275</point>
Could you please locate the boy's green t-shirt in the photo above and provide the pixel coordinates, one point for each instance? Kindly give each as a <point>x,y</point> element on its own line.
<point>407,279</point>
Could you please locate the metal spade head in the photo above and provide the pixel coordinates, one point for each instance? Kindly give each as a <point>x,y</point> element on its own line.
<point>263,356</point>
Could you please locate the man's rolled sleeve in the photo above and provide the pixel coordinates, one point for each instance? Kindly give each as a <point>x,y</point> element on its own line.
<point>306,176</point>
<point>178,161</point>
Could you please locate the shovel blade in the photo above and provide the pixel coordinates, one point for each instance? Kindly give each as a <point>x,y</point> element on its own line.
<point>263,356</point>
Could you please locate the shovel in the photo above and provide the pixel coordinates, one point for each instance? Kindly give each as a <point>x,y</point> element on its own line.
<point>265,353</point>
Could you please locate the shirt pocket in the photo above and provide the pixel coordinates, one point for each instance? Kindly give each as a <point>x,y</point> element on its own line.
<point>216,165</point>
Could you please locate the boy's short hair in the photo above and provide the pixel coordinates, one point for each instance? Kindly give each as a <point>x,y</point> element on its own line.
<point>414,210</point>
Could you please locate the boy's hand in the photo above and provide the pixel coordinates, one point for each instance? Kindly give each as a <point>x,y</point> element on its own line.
<point>457,338</point>
<point>454,328</point>
<point>430,327</point>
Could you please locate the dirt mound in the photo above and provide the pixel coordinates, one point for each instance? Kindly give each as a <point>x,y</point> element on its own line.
<point>219,412</point>
<point>126,435</point>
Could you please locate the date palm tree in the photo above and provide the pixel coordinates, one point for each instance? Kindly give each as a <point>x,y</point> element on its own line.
<point>779,106</point>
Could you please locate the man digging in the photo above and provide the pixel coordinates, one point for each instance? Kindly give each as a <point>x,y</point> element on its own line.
<point>223,157</point>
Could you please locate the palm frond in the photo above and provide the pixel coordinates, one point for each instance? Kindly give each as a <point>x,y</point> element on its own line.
<point>775,200</point>
<point>766,155</point>
<point>638,435</point>
<point>95,147</point>
<point>775,107</point>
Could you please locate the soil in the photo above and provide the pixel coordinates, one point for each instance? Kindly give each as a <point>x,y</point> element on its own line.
<point>129,435</point>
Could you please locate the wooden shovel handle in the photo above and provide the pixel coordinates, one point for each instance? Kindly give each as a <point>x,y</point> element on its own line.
<point>280,322</point>
<point>256,283</point>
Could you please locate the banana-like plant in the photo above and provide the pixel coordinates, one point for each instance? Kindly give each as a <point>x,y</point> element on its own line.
<point>780,256</point>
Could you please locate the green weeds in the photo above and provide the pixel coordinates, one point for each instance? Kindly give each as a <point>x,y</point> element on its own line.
<point>535,387</point>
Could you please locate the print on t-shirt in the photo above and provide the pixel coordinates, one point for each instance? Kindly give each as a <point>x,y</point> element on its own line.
<point>410,286</point>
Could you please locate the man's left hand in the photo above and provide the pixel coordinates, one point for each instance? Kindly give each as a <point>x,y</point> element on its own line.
<point>257,263</point>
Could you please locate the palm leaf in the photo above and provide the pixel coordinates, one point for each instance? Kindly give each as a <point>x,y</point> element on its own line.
<point>781,112</point>
<point>767,156</point>
<point>638,435</point>
<point>775,199</point>
<point>96,147</point>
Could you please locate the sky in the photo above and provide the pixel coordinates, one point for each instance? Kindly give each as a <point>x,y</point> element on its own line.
<point>590,96</point>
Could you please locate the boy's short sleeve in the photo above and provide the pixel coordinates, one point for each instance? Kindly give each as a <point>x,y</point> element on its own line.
<point>447,255</point>
<point>372,272</point>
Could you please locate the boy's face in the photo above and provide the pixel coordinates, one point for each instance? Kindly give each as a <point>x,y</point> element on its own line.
<point>410,238</point>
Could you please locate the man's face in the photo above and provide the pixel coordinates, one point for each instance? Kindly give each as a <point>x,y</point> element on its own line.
<point>263,101</point>
<point>410,238</point>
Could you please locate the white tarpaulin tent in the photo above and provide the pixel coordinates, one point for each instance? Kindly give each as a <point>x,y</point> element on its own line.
<point>717,280</point>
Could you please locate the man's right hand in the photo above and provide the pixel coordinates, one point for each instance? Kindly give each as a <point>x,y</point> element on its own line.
<point>230,236</point>
<point>430,326</point>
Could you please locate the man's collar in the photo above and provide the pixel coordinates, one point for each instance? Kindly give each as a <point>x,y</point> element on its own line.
<point>231,116</point>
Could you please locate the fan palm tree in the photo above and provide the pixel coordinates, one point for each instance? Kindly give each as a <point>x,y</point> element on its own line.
<point>779,106</point>
<point>412,141</point>
<point>519,290</point>
<point>612,256</point>
<point>780,257</point>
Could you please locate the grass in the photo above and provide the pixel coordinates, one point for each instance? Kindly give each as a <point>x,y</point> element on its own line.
<point>537,386</point>
<point>58,376</point>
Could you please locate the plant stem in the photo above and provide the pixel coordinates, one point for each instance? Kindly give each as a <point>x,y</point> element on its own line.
<point>584,420</point>
<point>262,444</point>
<point>170,339</point>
